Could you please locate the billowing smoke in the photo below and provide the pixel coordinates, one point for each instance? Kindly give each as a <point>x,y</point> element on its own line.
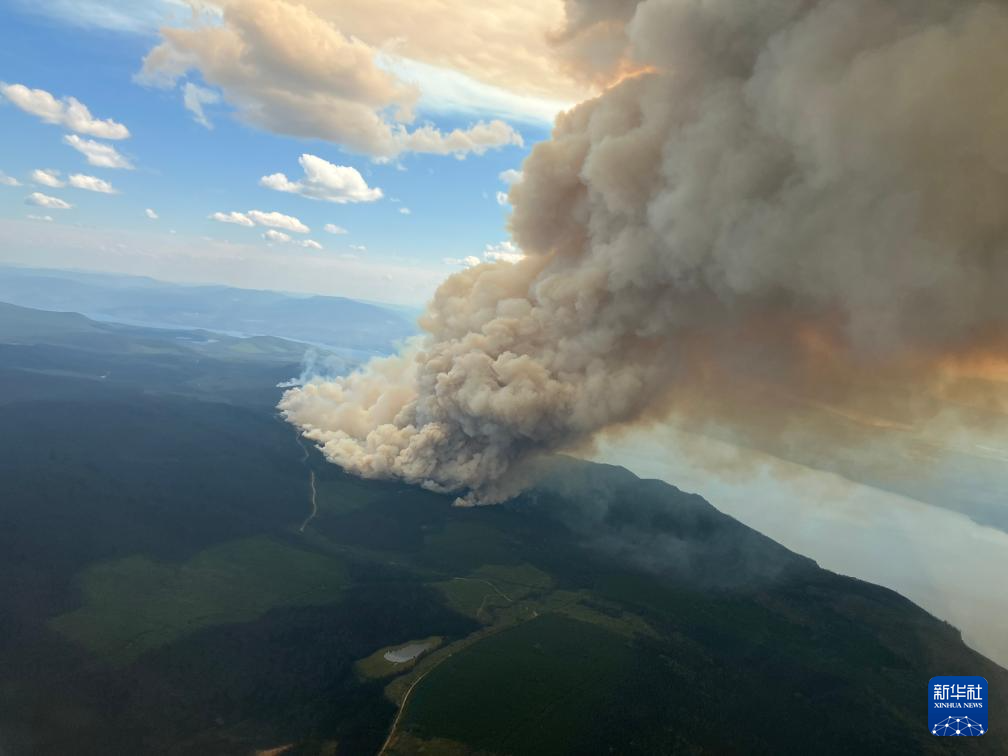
<point>786,215</point>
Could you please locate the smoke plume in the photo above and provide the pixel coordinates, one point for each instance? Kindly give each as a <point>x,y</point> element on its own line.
<point>784,216</point>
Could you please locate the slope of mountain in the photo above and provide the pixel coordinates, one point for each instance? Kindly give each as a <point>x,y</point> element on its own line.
<point>331,321</point>
<point>180,574</point>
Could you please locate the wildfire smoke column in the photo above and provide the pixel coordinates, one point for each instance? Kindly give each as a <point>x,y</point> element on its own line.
<point>783,212</point>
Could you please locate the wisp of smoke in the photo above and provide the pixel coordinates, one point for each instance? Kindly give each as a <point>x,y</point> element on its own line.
<point>790,216</point>
<point>318,366</point>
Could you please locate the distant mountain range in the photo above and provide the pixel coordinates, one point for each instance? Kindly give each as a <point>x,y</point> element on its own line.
<point>346,324</point>
<point>64,354</point>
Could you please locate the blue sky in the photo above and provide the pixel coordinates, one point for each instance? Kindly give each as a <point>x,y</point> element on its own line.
<point>185,172</point>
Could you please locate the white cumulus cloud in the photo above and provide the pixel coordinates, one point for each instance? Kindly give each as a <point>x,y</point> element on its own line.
<point>405,211</point>
<point>510,176</point>
<point>289,70</point>
<point>272,235</point>
<point>506,251</point>
<point>332,228</point>
<point>98,154</point>
<point>47,177</point>
<point>325,181</point>
<point>469,261</point>
<point>279,237</point>
<point>44,200</point>
<point>68,112</point>
<point>278,220</point>
<point>239,219</point>
<point>91,184</point>
<point>260,218</point>
<point>44,218</point>
<point>6,180</point>
<point>151,214</point>
<point>477,139</point>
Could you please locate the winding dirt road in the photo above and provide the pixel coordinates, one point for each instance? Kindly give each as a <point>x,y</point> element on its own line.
<point>402,706</point>
<point>314,502</point>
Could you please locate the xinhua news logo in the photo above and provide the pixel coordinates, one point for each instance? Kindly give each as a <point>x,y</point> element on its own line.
<point>957,706</point>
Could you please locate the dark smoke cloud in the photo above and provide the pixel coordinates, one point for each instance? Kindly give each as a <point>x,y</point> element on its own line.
<point>792,220</point>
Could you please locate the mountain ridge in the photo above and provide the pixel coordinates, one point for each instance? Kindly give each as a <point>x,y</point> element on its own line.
<point>338,322</point>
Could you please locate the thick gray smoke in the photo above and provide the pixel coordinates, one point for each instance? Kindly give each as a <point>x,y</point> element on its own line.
<point>788,210</point>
